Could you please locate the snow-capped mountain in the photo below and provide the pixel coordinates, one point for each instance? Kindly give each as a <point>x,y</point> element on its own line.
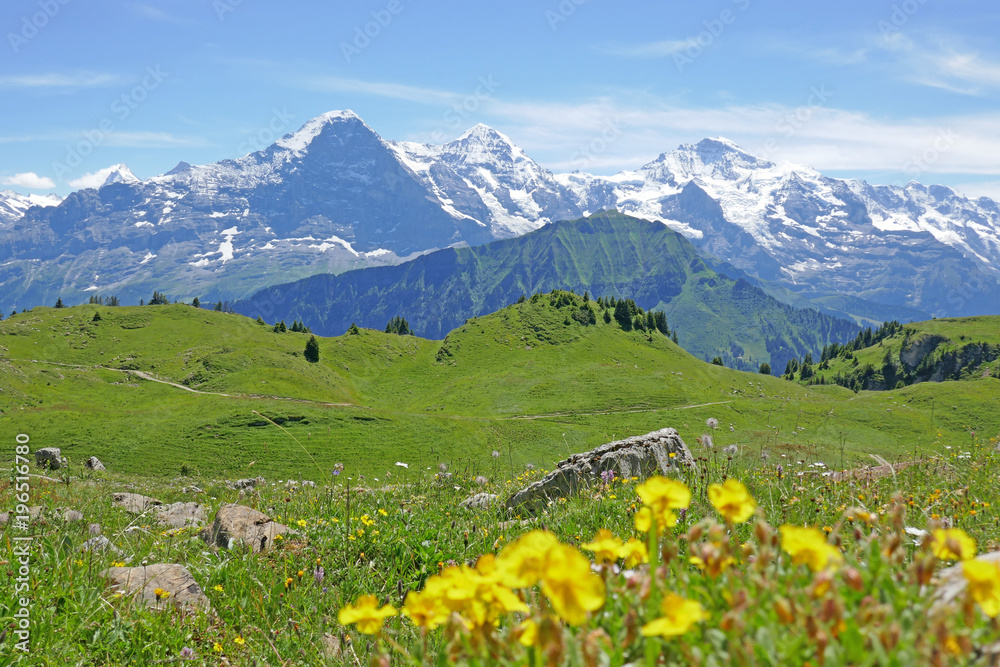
<point>334,195</point>
<point>13,205</point>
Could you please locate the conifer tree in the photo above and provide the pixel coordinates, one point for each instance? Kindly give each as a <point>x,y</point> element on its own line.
<point>97,316</point>
<point>312,350</point>
<point>260,320</point>
<point>354,330</point>
<point>59,303</point>
<point>765,369</point>
<point>196,303</point>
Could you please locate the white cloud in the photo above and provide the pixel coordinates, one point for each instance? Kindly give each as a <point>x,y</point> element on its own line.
<point>94,180</point>
<point>659,49</point>
<point>57,80</point>
<point>30,180</point>
<point>392,90</point>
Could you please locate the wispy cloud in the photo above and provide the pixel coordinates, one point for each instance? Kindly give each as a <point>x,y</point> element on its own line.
<point>151,140</point>
<point>59,80</point>
<point>29,180</point>
<point>661,49</point>
<point>391,90</point>
<point>93,180</point>
<point>156,14</point>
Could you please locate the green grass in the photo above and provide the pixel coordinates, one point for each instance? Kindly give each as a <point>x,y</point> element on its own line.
<point>520,381</point>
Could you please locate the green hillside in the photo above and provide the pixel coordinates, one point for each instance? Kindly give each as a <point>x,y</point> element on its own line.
<point>897,355</point>
<point>607,254</point>
<point>529,381</point>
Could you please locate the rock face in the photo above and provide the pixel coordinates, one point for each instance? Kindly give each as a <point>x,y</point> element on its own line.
<point>640,456</point>
<point>237,523</point>
<point>94,463</point>
<point>49,457</point>
<point>184,592</point>
<point>134,502</point>
<point>181,515</point>
<point>479,501</point>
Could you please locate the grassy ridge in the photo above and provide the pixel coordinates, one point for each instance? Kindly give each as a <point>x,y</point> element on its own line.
<point>521,381</point>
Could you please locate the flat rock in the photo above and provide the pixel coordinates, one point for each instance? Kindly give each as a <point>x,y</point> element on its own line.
<point>135,502</point>
<point>94,463</point>
<point>479,501</point>
<point>49,457</point>
<point>238,523</point>
<point>185,593</point>
<point>100,544</point>
<point>72,515</point>
<point>640,456</point>
<point>181,515</point>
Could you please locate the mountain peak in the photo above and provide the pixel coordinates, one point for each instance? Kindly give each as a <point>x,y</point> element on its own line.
<point>120,173</point>
<point>482,132</point>
<point>312,128</point>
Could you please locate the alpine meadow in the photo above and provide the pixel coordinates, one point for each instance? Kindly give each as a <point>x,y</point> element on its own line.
<point>521,335</point>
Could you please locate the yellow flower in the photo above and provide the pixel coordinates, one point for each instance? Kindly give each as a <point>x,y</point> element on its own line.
<point>661,496</point>
<point>520,562</point>
<point>634,552</point>
<point>712,561</point>
<point>569,584</point>
<point>218,587</point>
<point>302,523</point>
<point>288,582</point>
<point>952,544</point>
<point>679,615</point>
<point>366,614</point>
<point>983,578</point>
<point>424,609</point>
<point>239,641</point>
<point>527,632</point>
<point>809,546</point>
<point>217,647</point>
<point>161,594</point>
<point>382,512</point>
<point>606,547</point>
<point>118,563</point>
<point>732,501</point>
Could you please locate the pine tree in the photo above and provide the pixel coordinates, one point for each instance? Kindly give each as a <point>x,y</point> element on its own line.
<point>97,316</point>
<point>674,337</point>
<point>522,298</point>
<point>159,299</point>
<point>717,361</point>
<point>765,369</point>
<point>59,303</point>
<point>260,320</point>
<point>354,330</point>
<point>196,303</point>
<point>312,350</point>
<point>218,306</point>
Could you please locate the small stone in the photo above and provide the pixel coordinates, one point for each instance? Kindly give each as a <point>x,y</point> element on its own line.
<point>94,463</point>
<point>94,529</point>
<point>183,592</point>
<point>134,502</point>
<point>72,515</point>
<point>246,483</point>
<point>49,457</point>
<point>478,501</point>
<point>100,544</point>
<point>238,523</point>
<point>331,646</point>
<point>181,515</point>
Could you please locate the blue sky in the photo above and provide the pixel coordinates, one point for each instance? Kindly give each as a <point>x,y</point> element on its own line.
<point>888,91</point>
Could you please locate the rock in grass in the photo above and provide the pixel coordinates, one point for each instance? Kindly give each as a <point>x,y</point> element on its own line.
<point>72,515</point>
<point>181,515</point>
<point>479,501</point>
<point>641,456</point>
<point>248,483</point>
<point>134,502</point>
<point>49,457</point>
<point>94,463</point>
<point>183,592</point>
<point>238,523</point>
<point>100,544</point>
